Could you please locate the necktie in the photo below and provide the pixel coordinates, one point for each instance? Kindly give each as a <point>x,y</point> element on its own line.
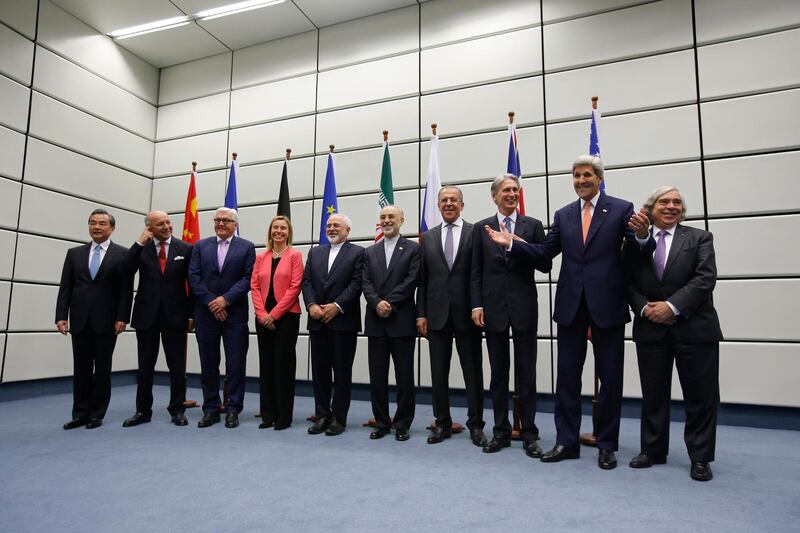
<point>448,247</point>
<point>94,264</point>
<point>507,224</point>
<point>660,257</point>
<point>222,251</point>
<point>587,219</point>
<point>162,256</point>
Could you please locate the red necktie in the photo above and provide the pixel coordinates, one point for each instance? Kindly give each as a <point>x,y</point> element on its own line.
<point>162,257</point>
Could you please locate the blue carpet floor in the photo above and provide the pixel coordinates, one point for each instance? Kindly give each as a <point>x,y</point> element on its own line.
<point>157,477</point>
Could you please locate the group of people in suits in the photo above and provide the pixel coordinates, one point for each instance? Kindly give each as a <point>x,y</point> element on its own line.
<point>460,282</point>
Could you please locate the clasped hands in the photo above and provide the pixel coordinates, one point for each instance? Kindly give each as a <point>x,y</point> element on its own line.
<point>659,313</point>
<point>324,312</point>
<point>219,308</point>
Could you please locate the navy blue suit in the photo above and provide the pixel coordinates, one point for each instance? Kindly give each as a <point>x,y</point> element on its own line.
<point>591,292</point>
<point>333,345</point>
<point>232,283</point>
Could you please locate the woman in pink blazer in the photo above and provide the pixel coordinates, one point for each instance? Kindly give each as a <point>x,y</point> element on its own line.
<point>275,288</point>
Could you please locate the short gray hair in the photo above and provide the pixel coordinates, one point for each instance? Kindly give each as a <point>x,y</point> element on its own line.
<point>451,187</point>
<point>498,181</point>
<point>589,161</point>
<point>345,219</point>
<point>658,193</point>
<point>229,212</point>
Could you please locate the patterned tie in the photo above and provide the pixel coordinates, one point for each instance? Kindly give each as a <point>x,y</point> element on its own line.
<point>94,264</point>
<point>507,224</point>
<point>222,251</point>
<point>162,256</point>
<point>660,257</point>
<point>587,219</point>
<point>448,247</point>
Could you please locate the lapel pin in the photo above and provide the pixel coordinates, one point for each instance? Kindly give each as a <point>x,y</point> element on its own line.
<point>604,211</point>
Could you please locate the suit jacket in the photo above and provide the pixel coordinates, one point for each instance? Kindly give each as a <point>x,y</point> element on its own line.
<point>395,284</point>
<point>287,280</point>
<point>232,282</point>
<point>96,303</point>
<point>593,270</point>
<point>342,285</point>
<point>443,292</point>
<point>690,275</point>
<point>502,284</point>
<point>157,290</point>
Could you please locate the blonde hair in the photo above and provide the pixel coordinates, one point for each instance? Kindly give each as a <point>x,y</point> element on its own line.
<point>269,230</point>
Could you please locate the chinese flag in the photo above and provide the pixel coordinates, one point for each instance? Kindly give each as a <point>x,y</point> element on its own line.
<point>191,222</point>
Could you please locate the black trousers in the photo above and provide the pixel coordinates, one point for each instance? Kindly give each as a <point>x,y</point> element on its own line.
<point>277,360</point>
<point>332,355</point>
<point>698,371</point>
<point>174,342</point>
<point>525,372</point>
<point>401,351</point>
<point>91,377</point>
<point>470,355</point>
<point>608,345</point>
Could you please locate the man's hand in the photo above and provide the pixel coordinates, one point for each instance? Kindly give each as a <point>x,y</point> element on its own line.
<point>422,327</point>
<point>146,235</point>
<point>502,237</point>
<point>63,327</point>
<point>119,327</point>
<point>640,224</point>
<point>477,318</point>
<point>221,316</point>
<point>384,309</point>
<point>315,311</point>
<point>217,304</point>
<point>329,312</point>
<point>190,326</point>
<point>659,313</point>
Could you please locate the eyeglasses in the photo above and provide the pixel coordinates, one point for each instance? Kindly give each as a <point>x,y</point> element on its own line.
<point>223,220</point>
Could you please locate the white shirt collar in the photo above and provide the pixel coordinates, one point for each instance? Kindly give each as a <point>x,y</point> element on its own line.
<point>337,246</point>
<point>459,222</point>
<point>593,200</point>
<point>393,240</point>
<point>104,245</point>
<point>513,216</point>
<point>229,239</point>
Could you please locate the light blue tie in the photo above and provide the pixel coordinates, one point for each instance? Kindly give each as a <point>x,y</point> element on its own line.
<point>94,264</point>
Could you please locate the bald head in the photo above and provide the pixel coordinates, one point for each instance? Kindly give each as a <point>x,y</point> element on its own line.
<point>159,224</point>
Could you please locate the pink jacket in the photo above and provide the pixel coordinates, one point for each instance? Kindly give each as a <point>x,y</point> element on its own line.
<point>287,279</point>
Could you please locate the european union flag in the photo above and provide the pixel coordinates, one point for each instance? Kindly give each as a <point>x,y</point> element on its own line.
<point>329,204</point>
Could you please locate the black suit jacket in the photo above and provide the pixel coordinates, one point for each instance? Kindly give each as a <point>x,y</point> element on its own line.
<point>443,292</point>
<point>157,290</point>
<point>395,284</point>
<point>504,285</point>
<point>342,285</point>
<point>690,275</point>
<point>95,303</point>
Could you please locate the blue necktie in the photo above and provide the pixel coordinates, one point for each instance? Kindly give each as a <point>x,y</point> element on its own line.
<point>507,223</point>
<point>94,264</point>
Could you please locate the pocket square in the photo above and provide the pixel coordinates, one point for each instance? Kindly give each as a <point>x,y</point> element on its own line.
<point>178,258</point>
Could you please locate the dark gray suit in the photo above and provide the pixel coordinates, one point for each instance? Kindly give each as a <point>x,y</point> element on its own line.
<point>395,335</point>
<point>443,299</point>
<point>690,275</point>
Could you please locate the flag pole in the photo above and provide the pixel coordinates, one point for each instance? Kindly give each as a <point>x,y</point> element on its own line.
<point>288,154</point>
<point>517,427</point>
<point>188,404</point>
<point>225,394</point>
<point>590,439</point>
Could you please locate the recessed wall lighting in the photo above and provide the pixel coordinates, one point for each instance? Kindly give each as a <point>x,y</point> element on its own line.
<point>232,9</point>
<point>150,27</point>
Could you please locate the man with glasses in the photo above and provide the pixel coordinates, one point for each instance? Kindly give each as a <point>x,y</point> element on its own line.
<point>219,276</point>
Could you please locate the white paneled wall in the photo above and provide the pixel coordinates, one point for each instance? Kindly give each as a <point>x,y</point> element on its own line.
<point>717,119</point>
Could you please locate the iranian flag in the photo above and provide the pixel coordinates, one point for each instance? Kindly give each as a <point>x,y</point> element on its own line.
<point>386,195</point>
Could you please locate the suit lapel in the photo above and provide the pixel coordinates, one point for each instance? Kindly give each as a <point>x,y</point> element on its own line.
<point>399,249</point>
<point>231,246</point>
<point>678,242</point>
<point>326,256</point>
<point>435,235</point>
<point>600,213</point>
<point>106,259</point>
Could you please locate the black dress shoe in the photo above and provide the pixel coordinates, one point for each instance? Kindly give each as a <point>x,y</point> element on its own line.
<point>379,433</point>
<point>532,449</point>
<point>94,423</point>
<point>606,459</point>
<point>646,461</point>
<point>75,423</point>
<point>478,437</point>
<point>559,453</point>
<point>179,419</point>
<point>496,444</point>
<point>231,420</point>
<point>209,419</point>
<point>320,425</point>
<point>335,428</point>
<point>438,434</point>
<point>701,471</point>
<point>266,424</point>
<point>401,434</point>
<point>281,427</point>
<point>136,419</point>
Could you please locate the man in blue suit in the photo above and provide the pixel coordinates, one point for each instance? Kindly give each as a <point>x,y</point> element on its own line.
<point>331,291</point>
<point>590,300</point>
<point>219,276</point>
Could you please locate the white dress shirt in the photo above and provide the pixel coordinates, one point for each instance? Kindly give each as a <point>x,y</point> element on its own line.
<point>103,249</point>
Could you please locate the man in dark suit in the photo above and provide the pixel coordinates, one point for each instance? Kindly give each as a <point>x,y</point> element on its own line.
<point>95,296</point>
<point>391,269</point>
<point>670,286</point>
<point>219,277</point>
<point>162,312</point>
<point>331,291</point>
<point>591,292</point>
<point>443,313</point>
<point>503,297</point>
